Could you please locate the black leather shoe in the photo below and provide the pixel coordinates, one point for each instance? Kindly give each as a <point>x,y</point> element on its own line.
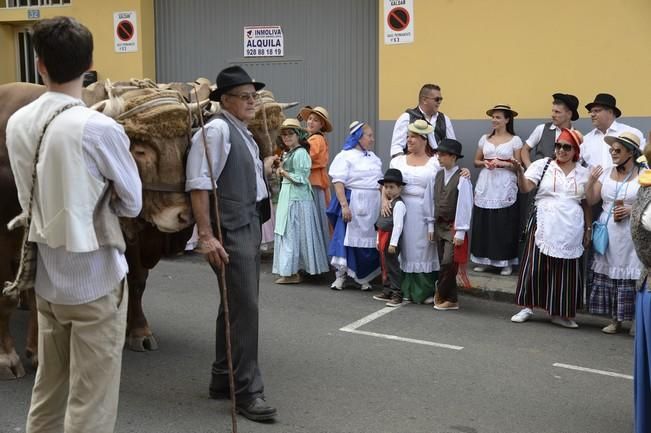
<point>256,410</point>
<point>218,395</point>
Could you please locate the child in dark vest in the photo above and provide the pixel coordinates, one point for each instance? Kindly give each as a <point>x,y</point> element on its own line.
<point>389,229</point>
<point>453,200</point>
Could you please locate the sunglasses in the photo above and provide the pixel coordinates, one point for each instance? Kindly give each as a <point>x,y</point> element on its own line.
<point>288,133</point>
<point>563,146</point>
<point>615,151</point>
<point>435,98</point>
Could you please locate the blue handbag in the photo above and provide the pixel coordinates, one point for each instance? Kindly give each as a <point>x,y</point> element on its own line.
<point>600,230</point>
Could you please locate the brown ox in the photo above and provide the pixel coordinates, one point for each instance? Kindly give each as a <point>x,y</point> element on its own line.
<point>159,140</point>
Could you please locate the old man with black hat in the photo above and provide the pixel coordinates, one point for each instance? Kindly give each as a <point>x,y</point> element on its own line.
<point>604,112</point>
<point>540,143</point>
<point>238,172</point>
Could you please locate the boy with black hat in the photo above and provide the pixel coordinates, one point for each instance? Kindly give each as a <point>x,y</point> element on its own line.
<point>453,202</point>
<point>389,229</point>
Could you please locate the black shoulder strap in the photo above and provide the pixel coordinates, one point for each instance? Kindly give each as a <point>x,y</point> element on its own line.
<point>440,129</point>
<point>415,114</point>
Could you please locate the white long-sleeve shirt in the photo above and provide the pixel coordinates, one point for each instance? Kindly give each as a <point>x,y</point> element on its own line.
<point>69,278</point>
<point>463,213</point>
<point>399,137</point>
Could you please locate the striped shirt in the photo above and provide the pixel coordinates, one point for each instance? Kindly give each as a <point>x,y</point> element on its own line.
<point>77,278</point>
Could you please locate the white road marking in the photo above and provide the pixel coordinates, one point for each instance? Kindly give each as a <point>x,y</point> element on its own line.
<point>352,328</point>
<point>592,370</point>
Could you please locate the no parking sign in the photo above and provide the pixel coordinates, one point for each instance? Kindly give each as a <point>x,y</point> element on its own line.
<point>124,32</point>
<point>398,21</point>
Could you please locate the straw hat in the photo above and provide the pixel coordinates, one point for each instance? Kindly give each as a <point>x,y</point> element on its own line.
<point>627,139</point>
<point>291,123</point>
<point>421,128</point>
<point>319,111</point>
<point>502,107</point>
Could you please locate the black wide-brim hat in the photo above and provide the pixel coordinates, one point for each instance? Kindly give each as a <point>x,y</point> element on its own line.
<point>392,175</point>
<point>448,145</point>
<point>605,100</point>
<point>230,77</point>
<point>570,101</point>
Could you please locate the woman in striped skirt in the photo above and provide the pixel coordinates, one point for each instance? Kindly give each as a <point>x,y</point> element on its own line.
<point>550,273</point>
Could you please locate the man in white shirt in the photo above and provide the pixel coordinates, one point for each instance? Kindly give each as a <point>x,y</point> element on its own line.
<point>429,101</point>
<point>239,173</point>
<point>81,294</point>
<point>541,141</point>
<point>603,112</point>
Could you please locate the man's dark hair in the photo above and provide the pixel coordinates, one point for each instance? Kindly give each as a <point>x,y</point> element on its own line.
<point>563,103</point>
<point>426,89</point>
<point>64,46</point>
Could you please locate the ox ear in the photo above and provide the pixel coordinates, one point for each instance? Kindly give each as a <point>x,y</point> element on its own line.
<point>112,107</point>
<point>94,93</point>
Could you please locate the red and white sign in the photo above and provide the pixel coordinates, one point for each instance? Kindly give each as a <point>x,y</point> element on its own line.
<point>125,32</point>
<point>398,22</point>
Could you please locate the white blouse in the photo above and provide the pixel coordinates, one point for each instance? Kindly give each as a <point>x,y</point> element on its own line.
<point>620,261</point>
<point>560,223</point>
<point>356,169</point>
<point>359,172</point>
<point>497,188</point>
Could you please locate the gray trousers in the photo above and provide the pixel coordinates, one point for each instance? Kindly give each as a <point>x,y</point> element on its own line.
<point>243,280</point>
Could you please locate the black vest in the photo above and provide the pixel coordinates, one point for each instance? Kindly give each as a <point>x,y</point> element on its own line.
<point>446,196</point>
<point>386,223</point>
<point>236,186</point>
<point>545,148</point>
<point>440,129</point>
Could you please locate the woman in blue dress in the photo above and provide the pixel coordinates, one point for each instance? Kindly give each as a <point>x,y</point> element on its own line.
<point>298,243</point>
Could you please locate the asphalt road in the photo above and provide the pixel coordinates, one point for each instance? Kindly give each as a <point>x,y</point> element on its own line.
<point>497,377</point>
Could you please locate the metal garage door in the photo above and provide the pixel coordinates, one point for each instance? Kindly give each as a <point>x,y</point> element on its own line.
<point>330,48</point>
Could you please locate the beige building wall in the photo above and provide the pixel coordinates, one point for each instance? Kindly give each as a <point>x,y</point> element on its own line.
<point>97,15</point>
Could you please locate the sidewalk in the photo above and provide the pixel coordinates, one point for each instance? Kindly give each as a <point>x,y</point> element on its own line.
<point>491,285</point>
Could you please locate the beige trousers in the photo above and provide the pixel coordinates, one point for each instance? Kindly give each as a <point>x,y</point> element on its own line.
<point>80,357</point>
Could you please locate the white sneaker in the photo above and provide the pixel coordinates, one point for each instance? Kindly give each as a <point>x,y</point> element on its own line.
<point>524,315</point>
<point>365,287</point>
<point>506,270</point>
<point>429,300</point>
<point>565,323</point>
<point>338,283</point>
<point>479,269</point>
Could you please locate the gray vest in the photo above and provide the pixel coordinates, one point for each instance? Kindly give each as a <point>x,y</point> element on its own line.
<point>641,236</point>
<point>386,223</point>
<point>446,196</point>
<point>545,148</point>
<point>236,186</point>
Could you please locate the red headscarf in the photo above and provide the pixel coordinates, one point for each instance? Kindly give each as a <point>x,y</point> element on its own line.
<point>575,138</point>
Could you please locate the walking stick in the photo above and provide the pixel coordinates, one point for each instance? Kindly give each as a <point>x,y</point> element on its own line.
<point>222,276</point>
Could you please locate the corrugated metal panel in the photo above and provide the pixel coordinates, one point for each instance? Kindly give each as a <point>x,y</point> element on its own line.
<point>330,50</point>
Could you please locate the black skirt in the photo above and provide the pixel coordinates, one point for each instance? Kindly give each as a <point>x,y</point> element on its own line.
<point>495,232</point>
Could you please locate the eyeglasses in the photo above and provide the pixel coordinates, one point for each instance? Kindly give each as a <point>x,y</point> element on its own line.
<point>288,133</point>
<point>245,96</point>
<point>615,151</point>
<point>563,146</point>
<point>435,98</point>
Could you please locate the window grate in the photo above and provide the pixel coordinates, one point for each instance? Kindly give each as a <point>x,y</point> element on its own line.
<point>32,3</point>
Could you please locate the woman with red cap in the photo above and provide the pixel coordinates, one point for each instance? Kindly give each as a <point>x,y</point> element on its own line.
<point>550,273</point>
